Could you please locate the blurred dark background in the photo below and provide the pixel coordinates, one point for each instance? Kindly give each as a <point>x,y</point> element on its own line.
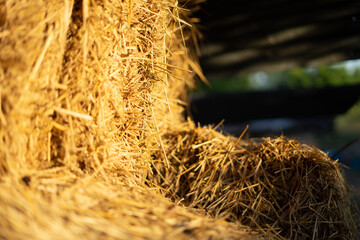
<point>284,67</point>
<point>248,36</point>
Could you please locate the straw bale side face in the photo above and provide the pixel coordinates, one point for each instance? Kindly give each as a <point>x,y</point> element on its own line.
<point>292,190</point>
<point>89,83</point>
<point>116,65</point>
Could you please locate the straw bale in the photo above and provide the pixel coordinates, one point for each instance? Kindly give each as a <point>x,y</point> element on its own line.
<point>83,84</point>
<point>291,189</point>
<point>95,209</point>
<point>86,87</point>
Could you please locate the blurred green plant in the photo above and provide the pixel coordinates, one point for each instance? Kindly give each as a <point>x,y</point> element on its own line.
<point>233,84</point>
<point>320,77</point>
<point>350,121</point>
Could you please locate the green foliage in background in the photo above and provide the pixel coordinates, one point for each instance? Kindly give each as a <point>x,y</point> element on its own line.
<point>234,84</point>
<point>323,76</point>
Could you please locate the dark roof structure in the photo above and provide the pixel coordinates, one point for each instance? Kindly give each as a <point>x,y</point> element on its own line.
<point>248,36</point>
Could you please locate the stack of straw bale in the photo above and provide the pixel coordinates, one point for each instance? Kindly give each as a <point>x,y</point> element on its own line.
<point>279,185</point>
<point>93,136</point>
<point>86,88</point>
